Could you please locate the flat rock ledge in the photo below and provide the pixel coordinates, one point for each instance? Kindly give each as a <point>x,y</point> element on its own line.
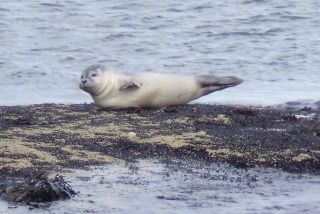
<point>54,137</point>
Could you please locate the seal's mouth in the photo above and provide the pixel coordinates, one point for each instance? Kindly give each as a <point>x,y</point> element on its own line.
<point>83,87</point>
<point>86,88</point>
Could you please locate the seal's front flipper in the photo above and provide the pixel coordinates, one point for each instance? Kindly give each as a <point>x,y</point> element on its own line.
<point>129,85</point>
<point>210,83</point>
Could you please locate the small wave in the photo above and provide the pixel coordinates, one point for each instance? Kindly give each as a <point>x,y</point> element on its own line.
<point>201,7</point>
<point>27,74</point>
<point>103,25</point>
<point>257,17</point>
<point>151,18</point>
<point>157,27</point>
<point>78,50</point>
<point>4,9</point>
<point>43,27</point>
<point>272,17</point>
<point>295,17</point>
<point>274,30</point>
<point>67,59</point>
<point>174,65</point>
<point>80,14</point>
<point>175,57</point>
<point>47,49</point>
<point>206,26</point>
<point>125,6</point>
<point>118,36</point>
<point>127,25</point>
<point>51,5</point>
<point>254,1</point>
<point>140,50</point>
<point>270,32</point>
<point>175,10</point>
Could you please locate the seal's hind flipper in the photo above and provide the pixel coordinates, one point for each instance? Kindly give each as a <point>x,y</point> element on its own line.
<point>211,83</point>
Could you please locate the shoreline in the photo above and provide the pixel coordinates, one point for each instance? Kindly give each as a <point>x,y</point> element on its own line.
<point>292,103</point>
<point>57,137</point>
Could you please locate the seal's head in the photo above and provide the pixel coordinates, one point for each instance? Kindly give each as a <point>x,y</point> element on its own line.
<point>92,79</point>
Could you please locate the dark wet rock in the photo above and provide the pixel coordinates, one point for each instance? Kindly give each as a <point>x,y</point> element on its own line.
<point>290,117</point>
<point>170,109</point>
<point>12,206</point>
<point>22,121</point>
<point>27,120</point>
<point>293,103</point>
<point>38,191</point>
<point>84,178</point>
<point>246,111</point>
<point>306,108</point>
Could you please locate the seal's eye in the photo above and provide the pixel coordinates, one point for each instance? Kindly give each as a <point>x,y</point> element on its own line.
<point>81,77</point>
<point>93,75</point>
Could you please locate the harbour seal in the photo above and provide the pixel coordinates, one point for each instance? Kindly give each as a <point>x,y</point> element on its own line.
<point>116,90</point>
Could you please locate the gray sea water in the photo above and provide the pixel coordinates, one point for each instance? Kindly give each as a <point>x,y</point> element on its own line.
<point>184,187</point>
<point>273,45</point>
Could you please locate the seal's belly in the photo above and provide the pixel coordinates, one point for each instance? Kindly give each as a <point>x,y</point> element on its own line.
<point>148,98</point>
<point>156,91</point>
<point>167,92</point>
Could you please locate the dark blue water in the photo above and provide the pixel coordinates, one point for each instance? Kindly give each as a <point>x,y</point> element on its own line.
<point>273,45</point>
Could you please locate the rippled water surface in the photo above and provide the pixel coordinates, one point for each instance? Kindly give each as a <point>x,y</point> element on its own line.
<point>274,45</point>
<point>185,187</point>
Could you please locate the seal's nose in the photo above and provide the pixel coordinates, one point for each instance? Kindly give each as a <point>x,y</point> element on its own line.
<point>84,81</point>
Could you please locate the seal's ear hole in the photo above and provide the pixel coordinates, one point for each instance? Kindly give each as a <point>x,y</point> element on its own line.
<point>94,75</point>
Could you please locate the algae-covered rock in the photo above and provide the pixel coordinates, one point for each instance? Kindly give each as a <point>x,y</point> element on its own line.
<point>54,138</point>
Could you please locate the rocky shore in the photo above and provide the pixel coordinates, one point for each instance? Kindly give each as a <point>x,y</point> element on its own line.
<point>52,138</point>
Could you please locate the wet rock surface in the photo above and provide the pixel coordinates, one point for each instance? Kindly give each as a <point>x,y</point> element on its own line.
<point>35,192</point>
<point>53,138</point>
